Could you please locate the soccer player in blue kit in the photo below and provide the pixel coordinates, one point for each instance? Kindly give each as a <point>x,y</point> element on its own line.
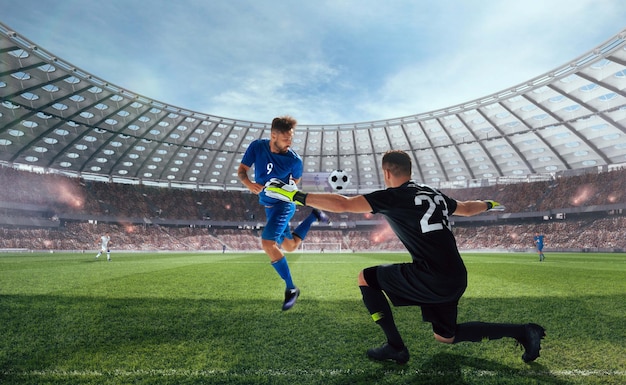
<point>539,244</point>
<point>273,158</point>
<point>436,277</point>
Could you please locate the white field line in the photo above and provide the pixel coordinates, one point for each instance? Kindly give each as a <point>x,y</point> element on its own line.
<point>310,373</point>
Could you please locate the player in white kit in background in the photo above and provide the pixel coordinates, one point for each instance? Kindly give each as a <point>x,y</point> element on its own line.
<point>104,241</point>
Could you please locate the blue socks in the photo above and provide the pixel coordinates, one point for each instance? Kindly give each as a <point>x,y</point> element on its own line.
<point>303,228</point>
<point>282,268</point>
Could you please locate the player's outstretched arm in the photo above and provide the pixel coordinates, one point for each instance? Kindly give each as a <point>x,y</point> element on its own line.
<point>336,203</point>
<point>469,208</point>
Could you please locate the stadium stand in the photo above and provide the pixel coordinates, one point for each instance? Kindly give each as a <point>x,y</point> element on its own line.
<point>56,212</point>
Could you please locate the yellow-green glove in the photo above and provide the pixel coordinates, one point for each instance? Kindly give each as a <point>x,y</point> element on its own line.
<point>494,206</point>
<point>278,189</point>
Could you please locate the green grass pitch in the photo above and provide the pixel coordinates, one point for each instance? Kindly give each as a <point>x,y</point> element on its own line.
<point>173,318</point>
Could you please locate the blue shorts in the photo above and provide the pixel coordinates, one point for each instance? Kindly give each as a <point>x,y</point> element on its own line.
<point>278,216</point>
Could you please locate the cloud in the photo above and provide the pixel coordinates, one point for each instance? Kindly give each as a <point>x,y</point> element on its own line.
<point>490,52</point>
<point>324,62</point>
<point>269,92</point>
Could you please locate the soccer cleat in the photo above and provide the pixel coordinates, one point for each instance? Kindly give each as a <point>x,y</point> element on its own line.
<point>387,352</point>
<point>321,216</point>
<point>533,334</point>
<point>291,295</point>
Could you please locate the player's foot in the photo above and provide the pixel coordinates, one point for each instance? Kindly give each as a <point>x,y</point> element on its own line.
<point>321,216</point>
<point>387,352</point>
<point>291,295</point>
<point>533,334</point>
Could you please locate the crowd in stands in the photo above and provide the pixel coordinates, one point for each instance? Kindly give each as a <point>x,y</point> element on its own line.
<point>66,194</point>
<point>603,234</point>
<point>134,205</point>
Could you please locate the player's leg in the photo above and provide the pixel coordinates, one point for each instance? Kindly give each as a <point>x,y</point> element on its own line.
<point>273,234</point>
<point>376,303</point>
<point>298,235</point>
<point>528,335</point>
<point>442,318</point>
<point>108,255</point>
<point>278,217</point>
<point>279,261</point>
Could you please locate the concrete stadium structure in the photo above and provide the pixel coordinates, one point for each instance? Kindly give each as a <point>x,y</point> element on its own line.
<point>59,118</point>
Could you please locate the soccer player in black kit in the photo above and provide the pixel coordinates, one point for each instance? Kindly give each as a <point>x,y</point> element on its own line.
<point>436,278</point>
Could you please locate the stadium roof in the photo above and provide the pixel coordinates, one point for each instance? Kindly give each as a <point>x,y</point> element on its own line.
<point>54,116</point>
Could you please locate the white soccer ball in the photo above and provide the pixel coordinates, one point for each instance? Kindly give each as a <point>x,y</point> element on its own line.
<point>338,180</point>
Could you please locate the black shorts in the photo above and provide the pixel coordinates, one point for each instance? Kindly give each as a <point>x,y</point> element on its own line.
<point>404,289</point>
<point>442,318</point>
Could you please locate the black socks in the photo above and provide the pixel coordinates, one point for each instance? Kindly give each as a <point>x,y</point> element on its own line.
<point>478,331</point>
<point>378,306</point>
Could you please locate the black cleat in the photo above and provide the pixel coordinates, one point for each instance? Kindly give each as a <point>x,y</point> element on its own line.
<point>533,334</point>
<point>387,352</point>
<point>291,295</point>
<point>321,216</point>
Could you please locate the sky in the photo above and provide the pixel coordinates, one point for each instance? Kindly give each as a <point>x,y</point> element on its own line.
<point>322,62</point>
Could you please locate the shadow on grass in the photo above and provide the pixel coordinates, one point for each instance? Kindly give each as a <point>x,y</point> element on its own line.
<point>459,369</point>
<point>455,369</point>
<point>60,338</point>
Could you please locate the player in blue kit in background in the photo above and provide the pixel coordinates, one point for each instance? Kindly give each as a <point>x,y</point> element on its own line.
<point>539,244</point>
<point>273,158</point>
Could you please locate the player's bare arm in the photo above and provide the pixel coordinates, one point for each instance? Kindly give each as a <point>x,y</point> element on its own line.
<point>323,201</point>
<point>469,208</point>
<point>338,203</point>
<point>242,172</point>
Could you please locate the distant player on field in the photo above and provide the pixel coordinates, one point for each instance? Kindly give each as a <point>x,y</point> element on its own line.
<point>105,242</point>
<point>539,244</point>
<point>273,158</point>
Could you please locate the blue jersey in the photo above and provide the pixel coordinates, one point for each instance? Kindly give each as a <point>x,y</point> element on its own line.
<point>539,241</point>
<point>268,165</point>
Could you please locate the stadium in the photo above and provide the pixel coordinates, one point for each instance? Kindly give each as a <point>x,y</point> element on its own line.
<point>81,157</point>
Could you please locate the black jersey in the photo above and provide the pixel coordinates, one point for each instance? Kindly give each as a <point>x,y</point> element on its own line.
<point>419,215</point>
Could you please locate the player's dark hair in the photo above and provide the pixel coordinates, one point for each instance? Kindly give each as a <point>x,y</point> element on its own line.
<point>284,123</point>
<point>397,162</point>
